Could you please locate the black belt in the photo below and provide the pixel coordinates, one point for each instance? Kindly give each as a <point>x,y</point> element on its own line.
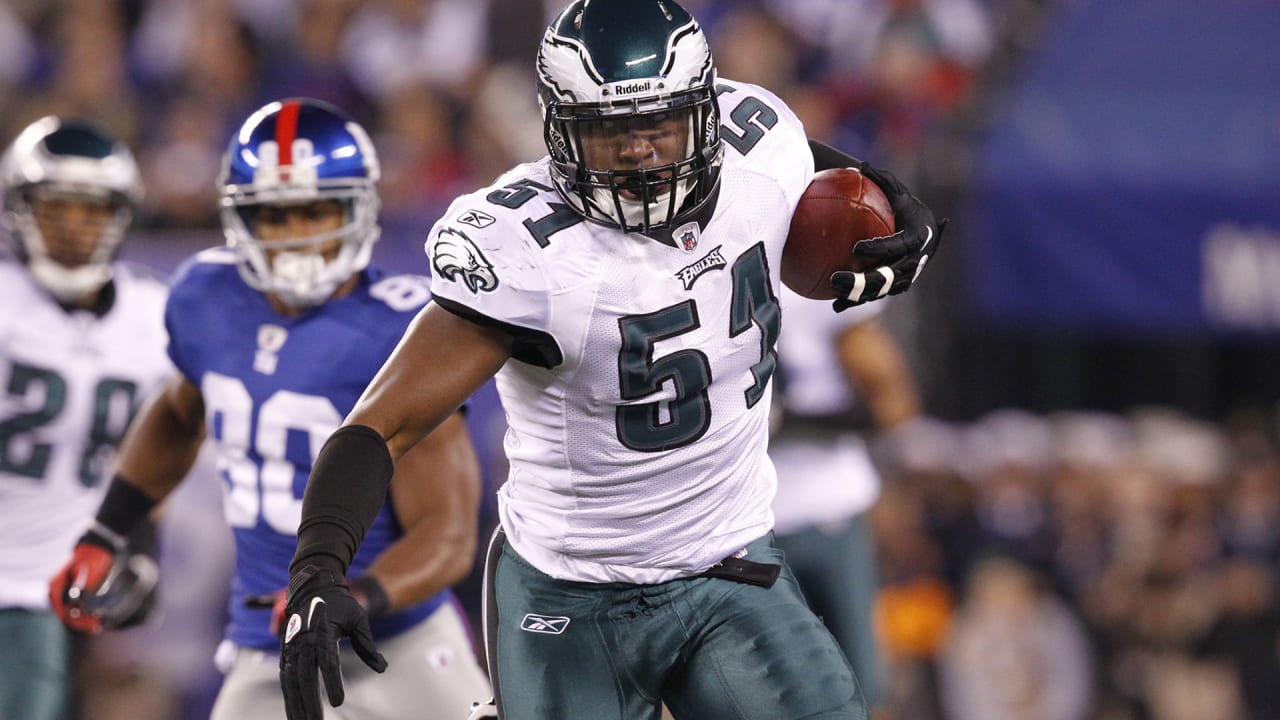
<point>744,571</point>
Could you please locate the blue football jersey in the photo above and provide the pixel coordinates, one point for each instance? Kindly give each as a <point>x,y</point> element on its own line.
<point>275,388</point>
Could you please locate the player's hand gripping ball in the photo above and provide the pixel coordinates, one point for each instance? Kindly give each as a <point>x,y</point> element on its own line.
<point>840,207</point>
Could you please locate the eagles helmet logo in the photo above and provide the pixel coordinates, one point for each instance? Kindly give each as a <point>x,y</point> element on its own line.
<point>455,257</point>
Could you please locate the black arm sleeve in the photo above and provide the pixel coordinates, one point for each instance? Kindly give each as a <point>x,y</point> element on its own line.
<point>348,485</point>
<point>123,511</point>
<point>826,157</point>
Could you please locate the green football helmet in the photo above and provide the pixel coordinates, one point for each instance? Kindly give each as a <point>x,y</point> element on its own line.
<point>627,89</point>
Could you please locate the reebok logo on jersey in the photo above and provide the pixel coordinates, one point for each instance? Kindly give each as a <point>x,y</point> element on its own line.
<point>711,261</point>
<point>476,219</point>
<point>456,258</point>
<point>544,624</point>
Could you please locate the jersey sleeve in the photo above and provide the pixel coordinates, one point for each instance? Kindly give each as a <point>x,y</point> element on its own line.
<point>485,269</point>
<point>177,316</point>
<point>192,289</point>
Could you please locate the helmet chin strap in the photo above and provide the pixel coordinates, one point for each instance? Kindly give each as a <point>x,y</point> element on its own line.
<point>69,285</point>
<point>303,280</point>
<point>300,279</point>
<point>633,210</point>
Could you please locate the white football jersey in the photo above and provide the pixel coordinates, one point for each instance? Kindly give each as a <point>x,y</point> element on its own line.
<point>70,383</point>
<point>638,400</point>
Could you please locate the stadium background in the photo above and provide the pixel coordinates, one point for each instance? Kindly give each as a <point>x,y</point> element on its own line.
<point>1087,525</point>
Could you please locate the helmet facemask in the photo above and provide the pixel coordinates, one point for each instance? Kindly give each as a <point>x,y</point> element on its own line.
<point>70,268</point>
<point>295,270</point>
<point>598,158</point>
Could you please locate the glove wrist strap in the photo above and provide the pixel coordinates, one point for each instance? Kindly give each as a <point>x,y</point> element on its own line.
<point>105,538</point>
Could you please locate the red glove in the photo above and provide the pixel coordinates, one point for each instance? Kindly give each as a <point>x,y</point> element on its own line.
<point>76,582</point>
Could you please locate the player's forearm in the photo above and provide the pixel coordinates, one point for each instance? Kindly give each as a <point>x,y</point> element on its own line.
<point>164,440</point>
<point>423,562</point>
<point>436,496</point>
<point>826,157</point>
<point>894,405</point>
<point>347,487</point>
<point>426,379</point>
<point>879,371</point>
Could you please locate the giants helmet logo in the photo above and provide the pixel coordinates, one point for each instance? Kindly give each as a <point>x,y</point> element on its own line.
<point>295,166</point>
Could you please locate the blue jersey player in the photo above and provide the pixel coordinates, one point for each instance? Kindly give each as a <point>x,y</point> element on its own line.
<point>274,338</point>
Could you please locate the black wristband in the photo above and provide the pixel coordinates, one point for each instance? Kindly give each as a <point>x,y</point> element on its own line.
<point>145,539</point>
<point>370,593</point>
<point>123,508</point>
<point>348,485</point>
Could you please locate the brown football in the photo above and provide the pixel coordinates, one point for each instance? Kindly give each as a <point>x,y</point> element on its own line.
<point>840,207</point>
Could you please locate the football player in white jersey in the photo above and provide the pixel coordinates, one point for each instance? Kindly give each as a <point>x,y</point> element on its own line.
<point>838,374</point>
<point>82,343</point>
<point>624,291</point>
<point>274,337</point>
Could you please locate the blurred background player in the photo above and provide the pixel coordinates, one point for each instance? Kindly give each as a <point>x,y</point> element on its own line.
<point>81,345</point>
<point>274,338</point>
<point>833,369</point>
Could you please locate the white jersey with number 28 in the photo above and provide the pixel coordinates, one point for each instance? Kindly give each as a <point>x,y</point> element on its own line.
<point>70,383</point>
<point>638,399</point>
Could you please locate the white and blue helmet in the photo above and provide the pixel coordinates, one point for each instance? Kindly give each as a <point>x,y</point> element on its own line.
<point>298,151</point>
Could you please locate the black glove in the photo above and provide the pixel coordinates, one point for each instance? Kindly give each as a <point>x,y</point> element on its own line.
<point>897,259</point>
<point>320,611</point>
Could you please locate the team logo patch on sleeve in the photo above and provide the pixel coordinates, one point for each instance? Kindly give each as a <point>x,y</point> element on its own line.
<point>456,258</point>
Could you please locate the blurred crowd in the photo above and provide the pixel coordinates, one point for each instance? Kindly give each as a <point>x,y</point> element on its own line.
<point>446,86</point>
<point>1033,567</point>
<point>1082,565</point>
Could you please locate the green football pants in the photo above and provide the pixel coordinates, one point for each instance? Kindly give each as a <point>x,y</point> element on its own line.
<point>836,567</point>
<point>35,667</point>
<point>707,648</point>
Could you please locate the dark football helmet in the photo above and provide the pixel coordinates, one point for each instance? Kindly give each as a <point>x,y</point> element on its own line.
<point>56,160</point>
<point>627,89</point>
<point>295,152</point>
